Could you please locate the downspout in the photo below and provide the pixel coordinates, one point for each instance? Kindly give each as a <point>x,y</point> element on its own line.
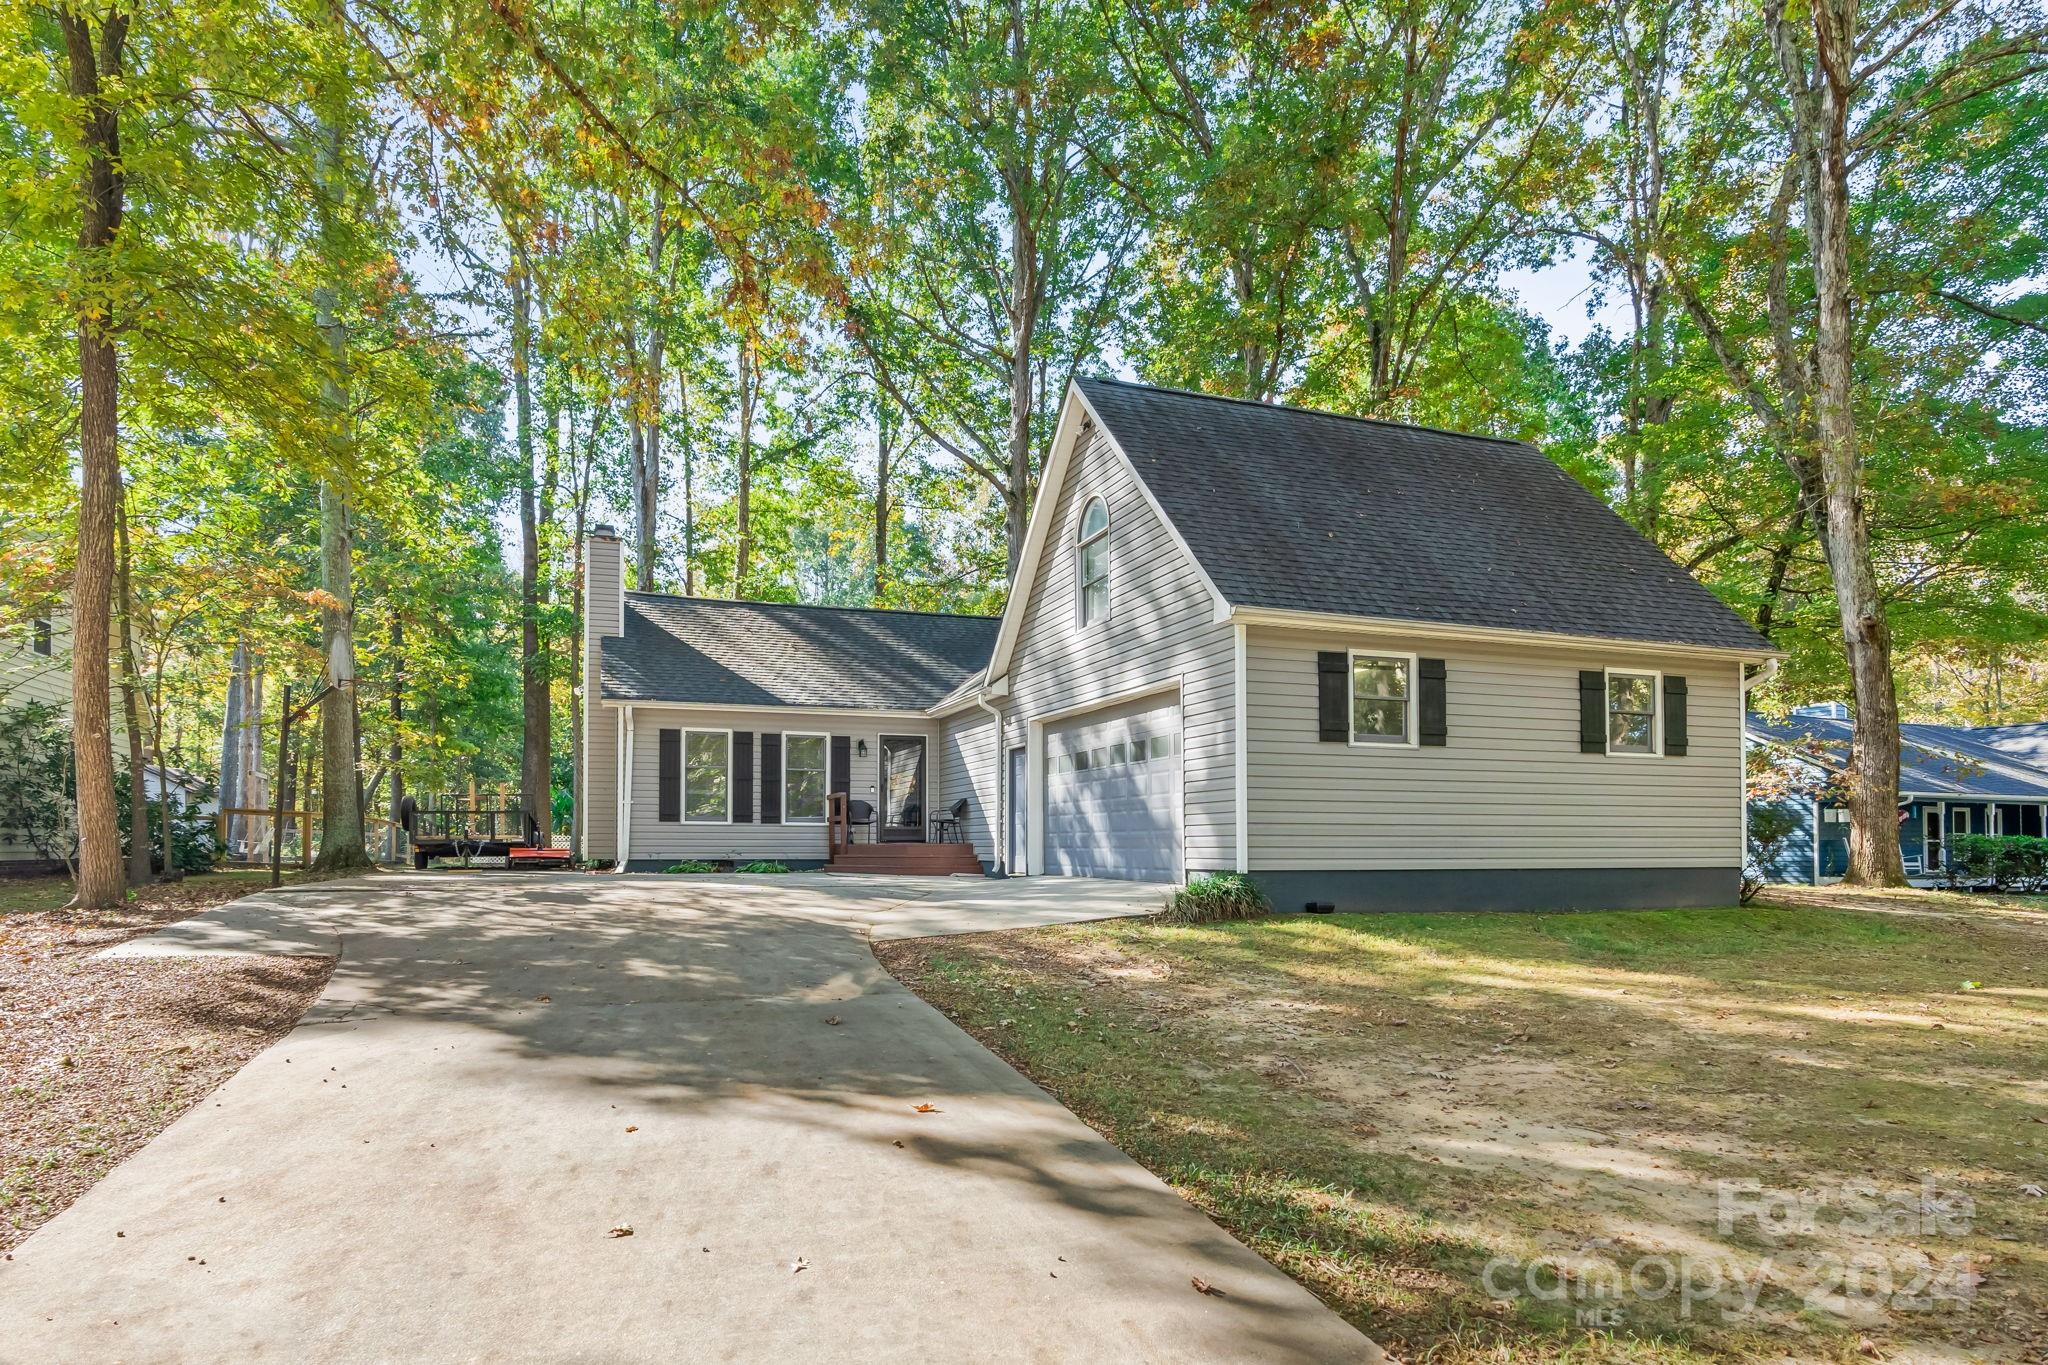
<point>1745,684</point>
<point>999,836</point>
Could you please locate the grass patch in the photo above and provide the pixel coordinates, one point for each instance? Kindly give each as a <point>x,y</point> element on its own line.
<point>1384,1106</point>
<point>762,868</point>
<point>1214,898</point>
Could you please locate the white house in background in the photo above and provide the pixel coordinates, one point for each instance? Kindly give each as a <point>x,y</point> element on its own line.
<point>1372,665</point>
<point>35,666</point>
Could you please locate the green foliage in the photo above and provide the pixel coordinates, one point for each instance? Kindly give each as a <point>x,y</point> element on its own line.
<point>35,798</point>
<point>1771,827</point>
<point>691,866</point>
<point>192,833</point>
<point>1216,896</point>
<point>762,868</point>
<point>2009,862</point>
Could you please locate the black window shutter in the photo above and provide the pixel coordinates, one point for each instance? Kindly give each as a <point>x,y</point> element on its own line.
<point>1434,710</point>
<point>1592,711</point>
<point>670,777</point>
<point>1333,696</point>
<point>743,777</point>
<point>771,779</point>
<point>841,775</point>
<point>1674,716</point>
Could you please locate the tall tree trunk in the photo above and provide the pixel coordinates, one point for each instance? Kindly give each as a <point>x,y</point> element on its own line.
<point>685,440</point>
<point>576,786</point>
<point>1023,319</point>
<point>396,756</point>
<point>172,872</point>
<point>141,867</point>
<point>749,387</point>
<point>1874,752</point>
<point>649,491</point>
<point>883,433</point>
<point>100,881</point>
<point>341,797</point>
<point>535,764</point>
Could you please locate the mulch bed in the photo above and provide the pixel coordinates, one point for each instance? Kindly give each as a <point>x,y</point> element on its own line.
<point>97,1058</point>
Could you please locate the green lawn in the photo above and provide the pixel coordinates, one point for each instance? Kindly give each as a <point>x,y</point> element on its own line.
<point>1387,1106</point>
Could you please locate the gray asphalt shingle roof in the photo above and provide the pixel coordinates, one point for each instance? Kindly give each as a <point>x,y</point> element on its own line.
<point>1934,760</point>
<point>725,653</point>
<point>1311,511</point>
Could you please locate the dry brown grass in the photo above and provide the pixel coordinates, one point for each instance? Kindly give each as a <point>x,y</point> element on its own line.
<point>1384,1105</point>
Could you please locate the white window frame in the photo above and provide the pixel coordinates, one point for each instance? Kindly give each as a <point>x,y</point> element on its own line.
<point>818,819</point>
<point>1081,546</point>
<point>1656,677</point>
<point>1410,727</point>
<point>684,804</point>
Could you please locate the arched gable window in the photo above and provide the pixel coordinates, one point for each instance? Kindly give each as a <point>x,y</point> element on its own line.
<point>1091,546</point>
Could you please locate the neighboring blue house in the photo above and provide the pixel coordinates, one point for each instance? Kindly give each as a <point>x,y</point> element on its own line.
<point>1953,779</point>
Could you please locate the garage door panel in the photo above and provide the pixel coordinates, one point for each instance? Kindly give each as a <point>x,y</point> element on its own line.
<point>1113,794</point>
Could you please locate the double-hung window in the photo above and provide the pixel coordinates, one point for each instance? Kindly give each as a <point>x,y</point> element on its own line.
<point>1382,698</point>
<point>707,776</point>
<point>1631,712</point>
<point>42,636</point>
<point>1091,562</point>
<point>803,776</point>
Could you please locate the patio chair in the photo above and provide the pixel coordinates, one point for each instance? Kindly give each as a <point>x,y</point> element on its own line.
<point>946,828</point>
<point>859,815</point>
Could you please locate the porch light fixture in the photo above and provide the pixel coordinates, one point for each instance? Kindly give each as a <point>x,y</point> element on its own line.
<point>860,746</point>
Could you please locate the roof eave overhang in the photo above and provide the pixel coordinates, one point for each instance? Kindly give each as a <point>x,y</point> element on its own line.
<point>1435,630</point>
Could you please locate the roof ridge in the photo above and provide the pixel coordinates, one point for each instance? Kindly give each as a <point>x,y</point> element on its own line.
<point>811,606</point>
<point>1311,412</point>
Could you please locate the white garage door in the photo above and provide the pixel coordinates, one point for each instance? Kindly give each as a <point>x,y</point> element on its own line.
<point>1112,794</point>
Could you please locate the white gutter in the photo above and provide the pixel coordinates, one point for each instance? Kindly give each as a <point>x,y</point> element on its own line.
<point>999,833</point>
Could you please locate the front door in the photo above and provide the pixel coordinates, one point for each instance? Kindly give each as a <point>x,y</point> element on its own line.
<point>1930,855</point>
<point>903,788</point>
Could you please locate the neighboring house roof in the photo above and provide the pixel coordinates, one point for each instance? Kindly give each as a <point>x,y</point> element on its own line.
<point>1294,509</point>
<point>716,652</point>
<point>1934,760</point>
<point>2027,743</point>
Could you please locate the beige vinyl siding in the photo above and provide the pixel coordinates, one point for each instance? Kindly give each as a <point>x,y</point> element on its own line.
<point>967,767</point>
<point>1161,631</point>
<point>602,616</point>
<point>26,676</point>
<point>1509,790</point>
<point>654,838</point>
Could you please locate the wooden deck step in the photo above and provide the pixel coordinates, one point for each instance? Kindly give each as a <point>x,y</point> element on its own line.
<point>911,860</point>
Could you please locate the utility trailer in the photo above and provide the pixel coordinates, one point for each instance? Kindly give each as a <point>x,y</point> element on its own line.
<point>449,827</point>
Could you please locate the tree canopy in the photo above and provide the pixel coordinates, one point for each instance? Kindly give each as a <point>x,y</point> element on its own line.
<point>358,315</point>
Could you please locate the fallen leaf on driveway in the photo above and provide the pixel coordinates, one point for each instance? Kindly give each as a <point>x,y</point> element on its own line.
<point>1202,1286</point>
<point>632,1127</point>
<point>833,1019</point>
<point>543,999</point>
<point>925,1108</point>
<point>622,1230</point>
<point>798,1266</point>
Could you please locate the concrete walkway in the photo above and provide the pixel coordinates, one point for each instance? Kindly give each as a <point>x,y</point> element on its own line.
<point>504,1069</point>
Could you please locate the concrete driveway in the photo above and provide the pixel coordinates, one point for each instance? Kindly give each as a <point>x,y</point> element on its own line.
<point>504,1069</point>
